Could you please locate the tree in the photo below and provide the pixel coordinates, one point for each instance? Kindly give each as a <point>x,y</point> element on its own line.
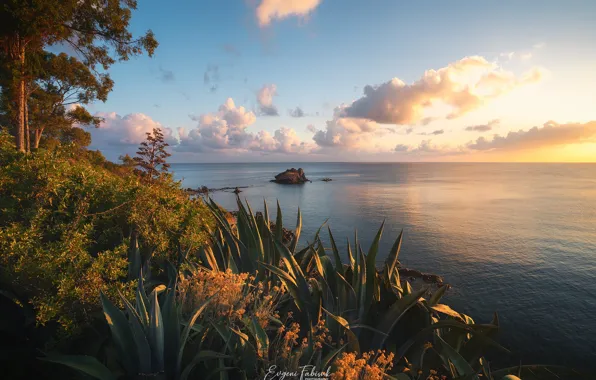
<point>63,86</point>
<point>151,156</point>
<point>97,30</point>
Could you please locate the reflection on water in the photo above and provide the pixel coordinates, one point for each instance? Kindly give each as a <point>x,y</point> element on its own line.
<point>516,238</point>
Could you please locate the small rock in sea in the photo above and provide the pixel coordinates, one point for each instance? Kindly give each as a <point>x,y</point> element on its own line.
<point>291,177</point>
<point>237,191</point>
<point>326,179</point>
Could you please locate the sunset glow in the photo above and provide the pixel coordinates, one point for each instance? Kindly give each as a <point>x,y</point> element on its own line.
<point>316,80</point>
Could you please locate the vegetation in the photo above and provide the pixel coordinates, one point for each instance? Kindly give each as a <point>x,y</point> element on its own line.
<point>67,225</point>
<point>246,303</point>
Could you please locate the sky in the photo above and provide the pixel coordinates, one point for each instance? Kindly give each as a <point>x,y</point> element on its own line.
<point>353,80</point>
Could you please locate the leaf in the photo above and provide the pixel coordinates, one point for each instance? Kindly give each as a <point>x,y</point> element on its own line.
<point>394,314</point>
<point>391,260</point>
<point>86,364</point>
<point>445,309</point>
<point>448,323</point>
<point>122,335</point>
<point>171,323</point>
<point>338,264</point>
<point>260,337</point>
<point>279,233</point>
<point>449,355</point>
<point>201,356</point>
<point>294,242</point>
<point>142,302</point>
<point>436,297</point>
<point>156,333</point>
<point>186,331</point>
<point>143,349</point>
<point>352,339</point>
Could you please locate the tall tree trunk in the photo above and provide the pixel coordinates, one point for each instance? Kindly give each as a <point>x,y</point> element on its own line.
<point>20,130</point>
<point>37,139</point>
<point>27,131</point>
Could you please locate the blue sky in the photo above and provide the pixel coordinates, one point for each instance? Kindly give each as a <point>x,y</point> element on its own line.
<point>322,58</point>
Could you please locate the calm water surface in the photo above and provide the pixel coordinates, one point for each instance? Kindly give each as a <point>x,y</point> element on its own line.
<point>519,239</point>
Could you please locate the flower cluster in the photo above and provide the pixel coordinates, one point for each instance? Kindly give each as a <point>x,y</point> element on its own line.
<point>371,366</point>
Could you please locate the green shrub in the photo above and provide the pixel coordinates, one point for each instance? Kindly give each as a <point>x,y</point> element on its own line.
<point>66,223</point>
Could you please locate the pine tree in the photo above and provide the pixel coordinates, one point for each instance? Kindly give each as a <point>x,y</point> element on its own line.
<point>151,156</point>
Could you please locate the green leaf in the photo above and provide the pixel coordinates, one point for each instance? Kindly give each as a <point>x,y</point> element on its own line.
<point>86,364</point>
<point>260,336</point>
<point>122,335</point>
<point>394,314</point>
<point>436,297</point>
<point>338,264</point>
<point>156,333</point>
<point>279,233</point>
<point>392,260</point>
<point>201,356</point>
<point>294,242</point>
<point>143,349</point>
<point>186,331</point>
<point>352,339</point>
<point>449,355</point>
<point>142,302</point>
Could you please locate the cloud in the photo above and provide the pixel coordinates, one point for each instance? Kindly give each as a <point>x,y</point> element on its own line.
<point>464,85</point>
<point>426,147</point>
<point>265,99</point>
<point>269,10</point>
<point>227,131</point>
<point>211,77</point>
<point>550,134</point>
<point>483,127</point>
<point>131,130</point>
<point>346,132</point>
<point>539,45</point>
<point>311,128</point>
<point>437,132</point>
<point>166,75</point>
<point>283,140</point>
<point>296,112</point>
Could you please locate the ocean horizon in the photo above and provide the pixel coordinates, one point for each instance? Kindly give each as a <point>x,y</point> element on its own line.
<point>518,239</point>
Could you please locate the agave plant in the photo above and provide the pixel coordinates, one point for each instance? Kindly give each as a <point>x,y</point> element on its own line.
<point>148,337</point>
<point>373,308</point>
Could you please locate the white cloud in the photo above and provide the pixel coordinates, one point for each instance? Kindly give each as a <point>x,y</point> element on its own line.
<point>346,132</point>
<point>128,130</point>
<point>464,86</point>
<point>265,99</point>
<point>269,10</point>
<point>227,131</point>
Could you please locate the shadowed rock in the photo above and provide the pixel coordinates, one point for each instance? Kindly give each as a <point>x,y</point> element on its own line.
<point>291,177</point>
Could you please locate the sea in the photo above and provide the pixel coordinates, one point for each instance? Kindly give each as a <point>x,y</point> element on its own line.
<point>518,239</point>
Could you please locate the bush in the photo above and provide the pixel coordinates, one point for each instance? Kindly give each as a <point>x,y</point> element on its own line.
<point>66,224</point>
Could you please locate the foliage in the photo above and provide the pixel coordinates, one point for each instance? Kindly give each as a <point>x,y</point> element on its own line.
<point>151,156</point>
<point>96,30</point>
<point>67,223</point>
<point>356,320</point>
